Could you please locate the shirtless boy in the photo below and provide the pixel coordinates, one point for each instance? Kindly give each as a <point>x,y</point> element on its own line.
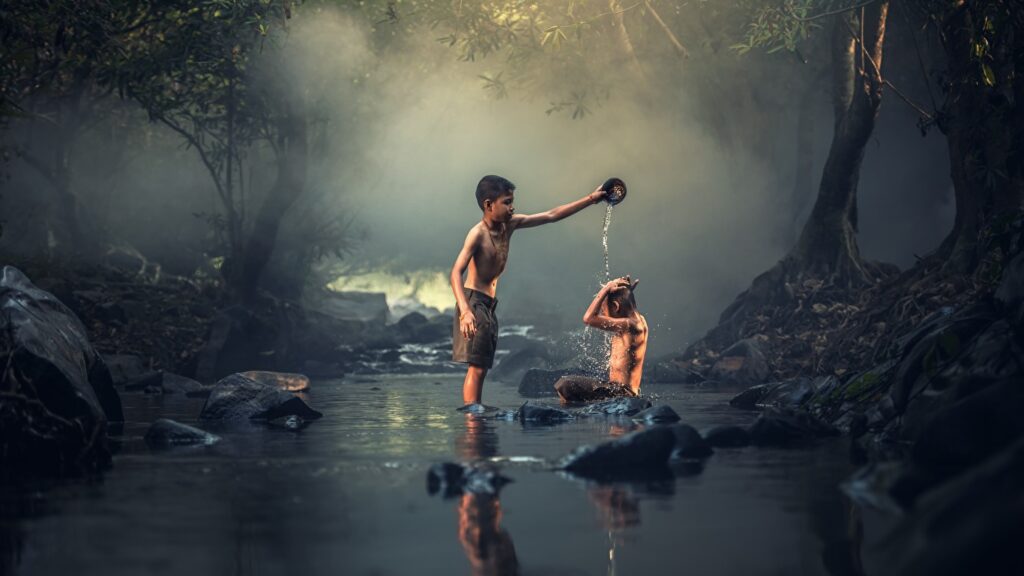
<point>613,310</point>
<point>484,253</point>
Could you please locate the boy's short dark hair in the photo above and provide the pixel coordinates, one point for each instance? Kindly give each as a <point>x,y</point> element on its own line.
<point>491,187</point>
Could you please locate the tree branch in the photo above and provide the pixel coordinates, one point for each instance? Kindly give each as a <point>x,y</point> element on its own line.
<point>668,31</point>
<point>793,15</point>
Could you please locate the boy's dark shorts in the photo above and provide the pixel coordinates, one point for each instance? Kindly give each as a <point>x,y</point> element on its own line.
<point>478,350</point>
<point>586,389</point>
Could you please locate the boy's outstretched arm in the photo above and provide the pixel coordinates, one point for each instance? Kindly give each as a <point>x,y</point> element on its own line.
<point>467,324</point>
<point>559,212</point>
<point>593,317</point>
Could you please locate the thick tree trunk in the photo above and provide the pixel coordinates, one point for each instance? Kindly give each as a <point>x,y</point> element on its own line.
<point>983,127</point>
<point>289,185</point>
<point>827,247</point>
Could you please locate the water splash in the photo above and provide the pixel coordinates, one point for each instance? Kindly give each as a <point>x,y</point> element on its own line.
<point>595,346</point>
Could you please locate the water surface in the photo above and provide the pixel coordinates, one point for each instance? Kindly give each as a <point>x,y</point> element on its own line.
<point>347,495</point>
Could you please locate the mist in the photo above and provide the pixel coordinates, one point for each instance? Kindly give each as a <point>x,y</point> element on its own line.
<point>402,135</point>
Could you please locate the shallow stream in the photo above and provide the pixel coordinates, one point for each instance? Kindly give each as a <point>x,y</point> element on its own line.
<point>347,495</point>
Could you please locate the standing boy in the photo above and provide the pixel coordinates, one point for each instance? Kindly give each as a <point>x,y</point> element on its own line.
<point>484,253</point>
<point>613,310</point>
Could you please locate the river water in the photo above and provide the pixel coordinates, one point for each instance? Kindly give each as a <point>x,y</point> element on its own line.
<point>347,495</point>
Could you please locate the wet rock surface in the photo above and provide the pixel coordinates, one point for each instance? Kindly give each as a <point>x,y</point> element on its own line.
<point>689,443</point>
<point>656,415</point>
<point>637,451</point>
<point>237,398</point>
<point>165,433</point>
<point>538,414</point>
<point>627,406</point>
<point>56,394</point>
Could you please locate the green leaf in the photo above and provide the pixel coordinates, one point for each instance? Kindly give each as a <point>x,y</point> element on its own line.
<point>988,75</point>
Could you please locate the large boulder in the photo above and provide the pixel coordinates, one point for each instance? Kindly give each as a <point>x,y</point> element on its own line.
<point>56,394</point>
<point>537,383</point>
<point>968,525</point>
<point>742,363</point>
<point>633,453</point>
<point>515,365</point>
<point>237,398</point>
<point>368,307</point>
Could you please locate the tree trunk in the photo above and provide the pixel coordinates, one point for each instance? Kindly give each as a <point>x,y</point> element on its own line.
<point>289,185</point>
<point>982,124</point>
<point>827,247</point>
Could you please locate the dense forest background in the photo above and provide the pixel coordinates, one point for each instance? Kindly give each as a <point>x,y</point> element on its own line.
<point>272,147</point>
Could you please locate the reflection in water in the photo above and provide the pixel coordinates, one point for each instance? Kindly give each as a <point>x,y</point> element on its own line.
<point>487,545</point>
<point>618,510</point>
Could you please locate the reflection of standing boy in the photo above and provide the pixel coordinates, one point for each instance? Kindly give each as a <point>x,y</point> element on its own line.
<point>484,253</point>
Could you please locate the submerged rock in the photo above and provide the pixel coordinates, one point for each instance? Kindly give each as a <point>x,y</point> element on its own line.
<point>536,414</point>
<point>627,406</point>
<point>656,415</point>
<point>236,397</point>
<point>451,479</point>
<point>645,449</point>
<point>689,444</point>
<point>164,433</point>
<point>783,427</point>
<point>727,437</point>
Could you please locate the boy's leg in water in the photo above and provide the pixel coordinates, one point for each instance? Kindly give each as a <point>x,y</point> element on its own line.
<point>473,385</point>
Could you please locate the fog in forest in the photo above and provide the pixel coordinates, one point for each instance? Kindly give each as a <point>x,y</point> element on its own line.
<point>403,135</point>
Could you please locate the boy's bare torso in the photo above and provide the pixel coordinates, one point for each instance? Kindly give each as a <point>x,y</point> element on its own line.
<point>490,254</point>
<point>625,364</point>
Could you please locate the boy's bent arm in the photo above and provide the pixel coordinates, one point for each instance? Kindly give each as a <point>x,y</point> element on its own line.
<point>466,321</point>
<point>592,317</point>
<point>557,213</point>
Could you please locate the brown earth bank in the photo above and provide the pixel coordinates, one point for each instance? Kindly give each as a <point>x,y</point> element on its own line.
<point>925,374</point>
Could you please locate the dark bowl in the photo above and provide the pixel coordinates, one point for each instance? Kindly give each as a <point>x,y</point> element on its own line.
<point>615,190</point>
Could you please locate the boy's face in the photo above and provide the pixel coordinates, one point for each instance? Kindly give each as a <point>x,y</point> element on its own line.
<point>501,209</point>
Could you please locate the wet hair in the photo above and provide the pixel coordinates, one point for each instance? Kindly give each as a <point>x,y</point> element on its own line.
<point>491,188</point>
<point>624,298</point>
